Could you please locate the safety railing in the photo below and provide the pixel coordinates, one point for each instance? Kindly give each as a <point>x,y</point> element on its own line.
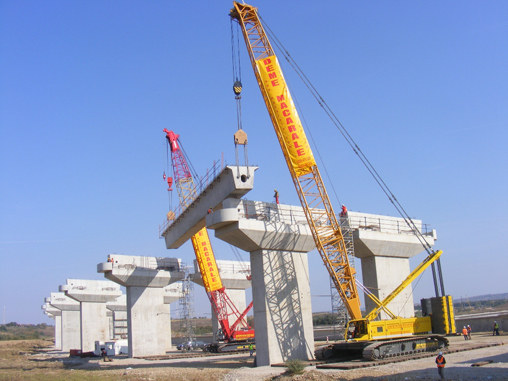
<point>290,215</point>
<point>234,267</point>
<point>386,225</point>
<point>263,211</point>
<point>201,184</point>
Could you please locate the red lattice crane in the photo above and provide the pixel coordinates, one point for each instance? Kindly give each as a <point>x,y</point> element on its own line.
<point>239,334</point>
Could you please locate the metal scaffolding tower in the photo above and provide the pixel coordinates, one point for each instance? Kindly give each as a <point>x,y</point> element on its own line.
<point>339,310</point>
<point>186,304</point>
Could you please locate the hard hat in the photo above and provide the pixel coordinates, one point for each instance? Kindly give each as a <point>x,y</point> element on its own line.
<point>275,190</point>
<point>440,353</point>
<point>464,326</point>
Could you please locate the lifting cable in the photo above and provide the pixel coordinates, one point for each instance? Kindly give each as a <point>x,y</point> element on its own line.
<point>239,258</point>
<point>350,141</point>
<point>240,136</point>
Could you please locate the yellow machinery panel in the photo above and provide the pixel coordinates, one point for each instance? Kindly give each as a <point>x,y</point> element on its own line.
<point>450,328</point>
<point>389,329</point>
<point>206,261</point>
<point>287,120</point>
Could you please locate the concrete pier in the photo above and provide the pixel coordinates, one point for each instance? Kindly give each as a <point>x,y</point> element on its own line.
<point>235,276</point>
<point>147,315</point>
<point>92,296</point>
<point>71,321</point>
<point>278,239</point>
<point>172,293</point>
<point>56,315</point>
<point>119,309</point>
<point>384,244</point>
<point>278,247</point>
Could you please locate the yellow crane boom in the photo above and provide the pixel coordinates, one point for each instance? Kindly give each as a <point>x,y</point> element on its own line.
<point>299,158</point>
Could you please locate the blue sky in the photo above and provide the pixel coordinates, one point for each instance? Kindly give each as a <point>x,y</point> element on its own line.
<point>87,87</point>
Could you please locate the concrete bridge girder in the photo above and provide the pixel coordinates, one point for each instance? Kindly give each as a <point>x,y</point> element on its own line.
<point>231,182</point>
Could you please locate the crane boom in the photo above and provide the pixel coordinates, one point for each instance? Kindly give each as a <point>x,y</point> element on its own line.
<point>406,282</point>
<point>311,191</point>
<point>222,305</point>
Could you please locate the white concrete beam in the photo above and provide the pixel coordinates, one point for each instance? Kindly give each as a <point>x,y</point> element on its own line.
<point>232,182</point>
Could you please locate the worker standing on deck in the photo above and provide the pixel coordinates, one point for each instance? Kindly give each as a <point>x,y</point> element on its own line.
<point>469,332</point>
<point>440,361</point>
<point>464,332</point>
<point>496,329</point>
<point>343,213</point>
<point>276,196</point>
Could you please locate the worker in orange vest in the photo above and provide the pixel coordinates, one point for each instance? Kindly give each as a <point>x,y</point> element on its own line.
<point>464,332</point>
<point>440,361</point>
<point>344,211</point>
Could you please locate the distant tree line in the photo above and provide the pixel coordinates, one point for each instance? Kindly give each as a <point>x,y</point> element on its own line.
<point>15,331</point>
<point>324,319</point>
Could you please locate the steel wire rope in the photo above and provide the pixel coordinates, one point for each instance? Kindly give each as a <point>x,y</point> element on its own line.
<point>237,68</point>
<point>356,149</point>
<point>239,257</point>
<point>414,285</point>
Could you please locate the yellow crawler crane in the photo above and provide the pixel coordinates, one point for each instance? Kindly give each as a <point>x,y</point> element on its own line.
<point>365,333</point>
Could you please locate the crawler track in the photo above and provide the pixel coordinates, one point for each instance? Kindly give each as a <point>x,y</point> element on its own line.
<point>404,347</point>
<point>378,350</point>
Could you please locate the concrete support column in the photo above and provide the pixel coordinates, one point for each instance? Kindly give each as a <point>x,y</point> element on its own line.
<point>384,244</point>
<point>58,331</point>
<point>120,327</point>
<point>172,293</point>
<point>278,239</point>
<point>70,320</point>
<point>92,295</point>
<point>56,315</point>
<point>145,308</point>
<point>119,322</point>
<point>71,330</point>
<point>94,324</point>
<point>282,306</point>
<point>147,317</point>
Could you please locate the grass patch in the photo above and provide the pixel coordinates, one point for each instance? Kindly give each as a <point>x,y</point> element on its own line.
<point>295,366</point>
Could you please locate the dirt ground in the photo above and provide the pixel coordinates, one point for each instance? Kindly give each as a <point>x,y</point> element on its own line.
<point>28,360</point>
